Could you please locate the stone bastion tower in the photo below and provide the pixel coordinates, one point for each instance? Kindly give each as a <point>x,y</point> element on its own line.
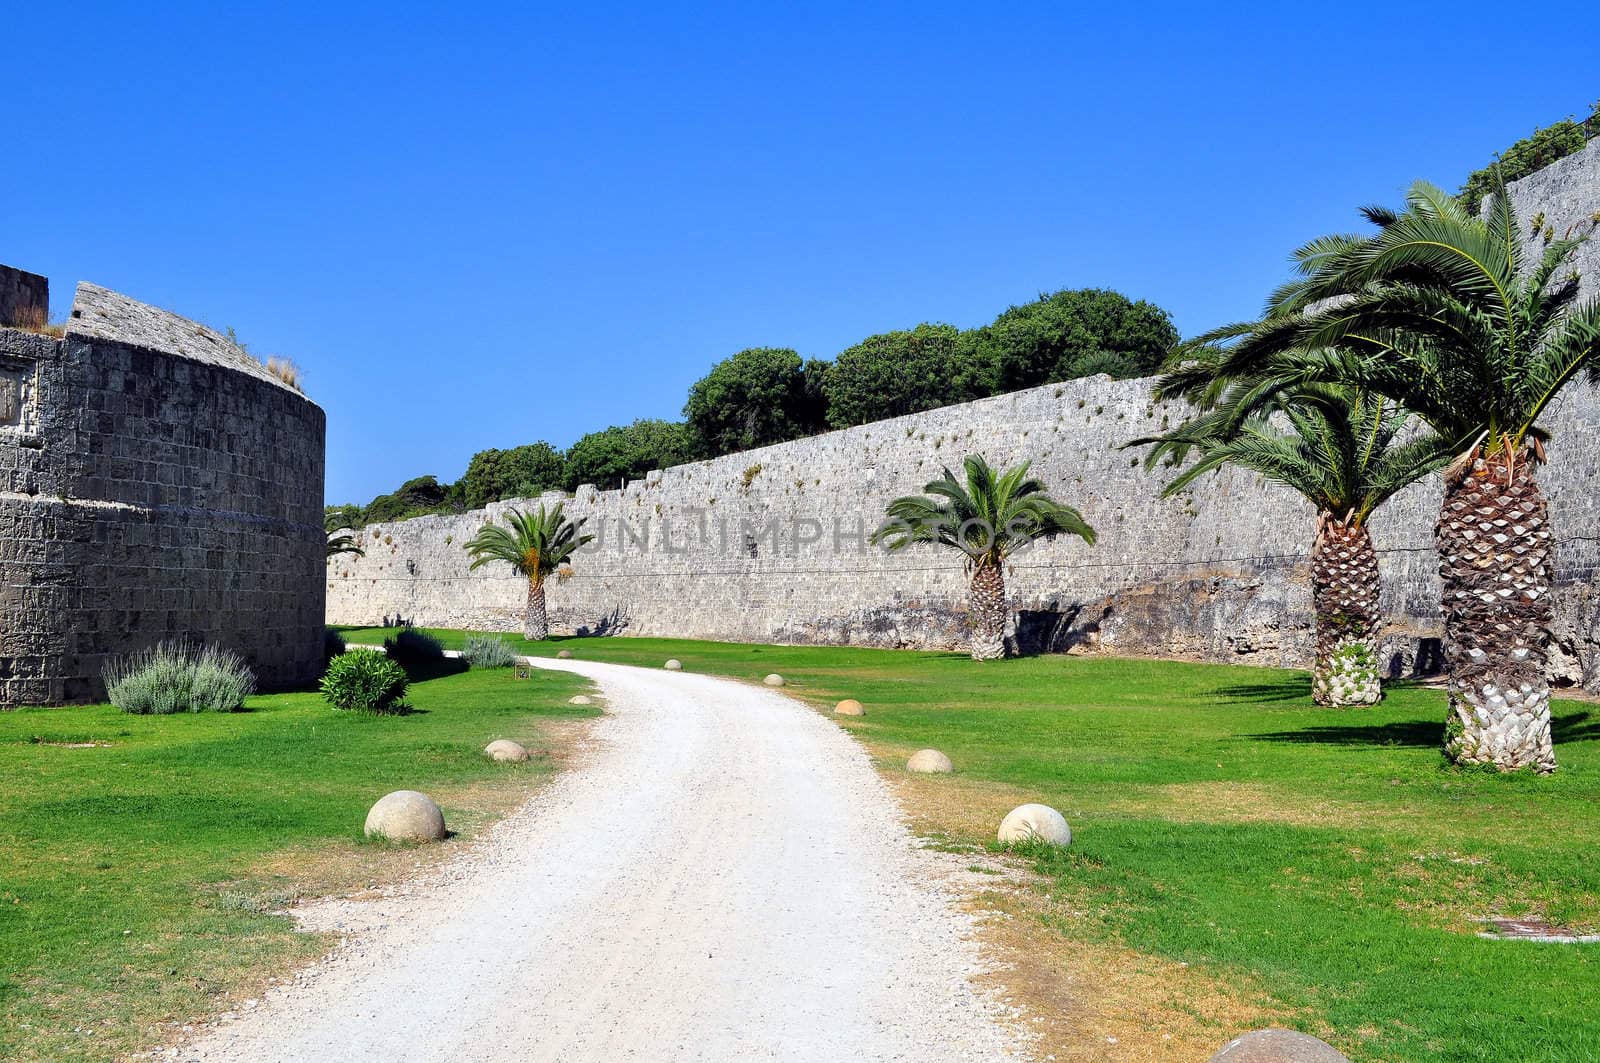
<point>156,482</point>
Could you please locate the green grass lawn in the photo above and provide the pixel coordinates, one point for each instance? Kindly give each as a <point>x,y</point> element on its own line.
<point>1327,857</point>
<point>137,873</point>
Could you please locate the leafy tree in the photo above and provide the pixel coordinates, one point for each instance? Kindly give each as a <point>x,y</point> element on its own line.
<point>521,472</point>
<point>759,396</point>
<point>619,453</point>
<point>1342,451</point>
<point>415,497</point>
<point>1442,312</point>
<point>534,544</point>
<point>987,518</point>
<point>1527,155</point>
<point>895,373</point>
<point>1074,333</point>
<point>345,516</point>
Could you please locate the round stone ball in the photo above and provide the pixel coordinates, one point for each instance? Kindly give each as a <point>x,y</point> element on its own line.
<point>506,749</point>
<point>565,655</point>
<point>849,707</point>
<point>929,762</point>
<point>406,816</point>
<point>1035,823</point>
<point>674,665</point>
<point>773,680</point>
<point>580,699</point>
<point>1278,1046</point>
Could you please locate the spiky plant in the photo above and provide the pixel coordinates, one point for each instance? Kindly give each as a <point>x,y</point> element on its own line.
<point>1447,314</point>
<point>987,517</point>
<point>1342,451</point>
<point>344,543</point>
<point>535,544</point>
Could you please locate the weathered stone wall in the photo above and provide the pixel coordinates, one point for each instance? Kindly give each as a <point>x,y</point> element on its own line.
<point>768,545</point>
<point>23,295</point>
<point>155,483</point>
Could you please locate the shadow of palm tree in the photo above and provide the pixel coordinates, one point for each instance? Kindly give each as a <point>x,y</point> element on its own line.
<point>1399,733</point>
<point>1288,688</point>
<point>1575,727</point>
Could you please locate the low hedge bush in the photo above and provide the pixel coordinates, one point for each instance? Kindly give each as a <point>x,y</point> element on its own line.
<point>179,677</point>
<point>487,651</point>
<point>366,681</point>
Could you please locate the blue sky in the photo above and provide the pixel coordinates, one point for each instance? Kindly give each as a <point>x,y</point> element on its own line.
<point>476,226</point>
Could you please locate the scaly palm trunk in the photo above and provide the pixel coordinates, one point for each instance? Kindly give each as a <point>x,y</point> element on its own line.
<point>1494,556</point>
<point>535,621</point>
<point>987,601</point>
<point>1344,596</point>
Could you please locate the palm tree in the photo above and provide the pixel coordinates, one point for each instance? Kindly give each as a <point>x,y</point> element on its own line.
<point>344,543</point>
<point>1338,448</point>
<point>1447,314</point>
<point>988,518</point>
<point>535,545</point>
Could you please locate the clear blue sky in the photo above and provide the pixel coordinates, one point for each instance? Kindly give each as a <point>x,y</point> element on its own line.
<point>477,227</point>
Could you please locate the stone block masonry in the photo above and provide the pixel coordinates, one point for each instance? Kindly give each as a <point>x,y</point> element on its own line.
<point>24,298</point>
<point>155,483</point>
<point>769,545</point>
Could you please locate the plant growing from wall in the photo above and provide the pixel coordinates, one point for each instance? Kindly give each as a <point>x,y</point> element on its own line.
<point>535,544</point>
<point>1444,313</point>
<point>987,517</point>
<point>1340,450</point>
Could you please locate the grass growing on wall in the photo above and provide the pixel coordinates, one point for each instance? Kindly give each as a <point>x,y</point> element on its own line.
<point>141,857</point>
<point>1327,858</point>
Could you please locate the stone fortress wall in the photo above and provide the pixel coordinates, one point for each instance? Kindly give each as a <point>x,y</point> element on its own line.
<point>768,545</point>
<point>155,482</point>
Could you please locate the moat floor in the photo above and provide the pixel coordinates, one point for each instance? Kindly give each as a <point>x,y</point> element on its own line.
<point>723,877</point>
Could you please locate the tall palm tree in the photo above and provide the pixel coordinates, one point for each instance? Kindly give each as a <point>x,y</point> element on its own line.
<point>1447,314</point>
<point>988,518</point>
<point>1341,450</point>
<point>535,545</point>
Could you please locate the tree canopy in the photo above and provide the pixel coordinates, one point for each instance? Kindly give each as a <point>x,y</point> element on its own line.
<point>895,373</point>
<point>521,472</point>
<point>626,452</point>
<point>1073,333</point>
<point>760,395</point>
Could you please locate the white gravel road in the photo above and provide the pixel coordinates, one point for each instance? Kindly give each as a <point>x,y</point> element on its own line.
<point>722,877</point>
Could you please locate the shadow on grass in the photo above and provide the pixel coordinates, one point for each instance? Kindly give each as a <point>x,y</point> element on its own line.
<point>422,671</point>
<point>1573,727</point>
<point>1287,688</point>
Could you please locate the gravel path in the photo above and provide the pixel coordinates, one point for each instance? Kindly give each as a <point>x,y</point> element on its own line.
<point>724,877</point>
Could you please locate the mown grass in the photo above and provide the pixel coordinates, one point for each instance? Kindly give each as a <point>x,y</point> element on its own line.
<point>1329,858</point>
<point>141,856</point>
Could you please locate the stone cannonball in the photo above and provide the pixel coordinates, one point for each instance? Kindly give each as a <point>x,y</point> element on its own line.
<point>773,680</point>
<point>565,655</point>
<point>406,816</point>
<point>580,699</point>
<point>1035,823</point>
<point>1278,1046</point>
<point>674,665</point>
<point>929,762</point>
<point>849,707</point>
<point>505,749</point>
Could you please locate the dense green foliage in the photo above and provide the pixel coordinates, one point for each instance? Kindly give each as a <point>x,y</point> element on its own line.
<point>764,395</point>
<point>609,458</point>
<point>1529,154</point>
<point>144,862</point>
<point>366,681</point>
<point>179,677</point>
<point>896,373</point>
<point>521,472</point>
<point>760,395</point>
<point>1219,819</point>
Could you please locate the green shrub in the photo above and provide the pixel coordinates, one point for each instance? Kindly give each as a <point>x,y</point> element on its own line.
<point>410,646</point>
<point>487,651</point>
<point>333,643</point>
<point>366,681</point>
<point>179,677</point>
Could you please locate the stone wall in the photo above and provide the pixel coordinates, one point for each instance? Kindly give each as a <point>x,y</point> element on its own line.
<point>155,483</point>
<point>24,297</point>
<point>769,545</point>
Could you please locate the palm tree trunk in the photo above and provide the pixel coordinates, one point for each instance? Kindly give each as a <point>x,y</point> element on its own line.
<point>1344,596</point>
<point>1494,557</point>
<point>535,621</point>
<point>987,600</point>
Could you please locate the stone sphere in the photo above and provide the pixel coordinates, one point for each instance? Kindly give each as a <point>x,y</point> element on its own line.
<point>1278,1046</point>
<point>565,655</point>
<point>406,816</point>
<point>773,680</point>
<point>506,749</point>
<point>674,665</point>
<point>929,762</point>
<point>580,699</point>
<point>1035,823</point>
<point>849,707</point>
